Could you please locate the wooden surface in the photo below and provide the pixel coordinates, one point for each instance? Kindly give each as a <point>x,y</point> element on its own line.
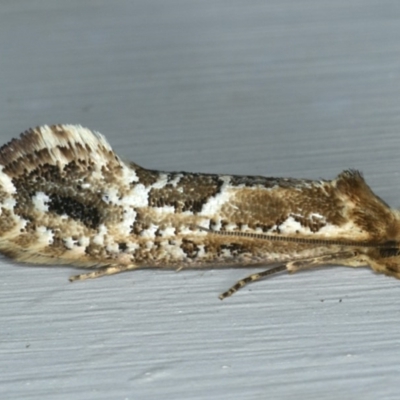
<point>278,88</point>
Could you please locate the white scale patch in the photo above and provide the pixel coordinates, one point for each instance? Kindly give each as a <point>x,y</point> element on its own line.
<point>150,232</point>
<point>173,251</point>
<point>214,204</point>
<point>168,231</point>
<point>174,182</point>
<point>99,238</point>
<point>84,241</point>
<point>128,174</point>
<point>9,203</point>
<point>128,220</point>
<point>40,200</point>
<point>162,181</point>
<point>6,182</point>
<point>348,230</point>
<point>85,185</point>
<point>139,196</point>
<point>201,253</point>
<point>69,242</point>
<point>290,226</point>
<point>230,227</point>
<point>161,211</point>
<point>112,248</point>
<point>132,247</point>
<point>111,196</point>
<point>45,235</point>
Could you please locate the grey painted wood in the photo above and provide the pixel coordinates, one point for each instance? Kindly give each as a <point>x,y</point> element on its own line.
<point>296,88</point>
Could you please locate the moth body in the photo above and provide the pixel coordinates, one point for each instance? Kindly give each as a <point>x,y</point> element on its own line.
<point>67,198</point>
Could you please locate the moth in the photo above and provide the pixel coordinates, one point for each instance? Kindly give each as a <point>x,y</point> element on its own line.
<point>67,199</point>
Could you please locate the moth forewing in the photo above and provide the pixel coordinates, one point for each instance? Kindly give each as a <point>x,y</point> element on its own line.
<point>67,198</point>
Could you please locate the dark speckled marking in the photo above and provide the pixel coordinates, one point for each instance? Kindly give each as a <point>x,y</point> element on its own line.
<point>189,194</point>
<point>140,224</point>
<point>60,205</point>
<point>122,246</point>
<point>234,248</point>
<point>146,177</point>
<point>313,224</point>
<point>252,181</point>
<point>189,248</point>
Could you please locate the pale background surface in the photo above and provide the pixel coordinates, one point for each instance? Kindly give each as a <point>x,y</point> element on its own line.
<point>284,88</point>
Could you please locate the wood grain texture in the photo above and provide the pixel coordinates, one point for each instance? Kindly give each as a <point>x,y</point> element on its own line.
<point>278,88</point>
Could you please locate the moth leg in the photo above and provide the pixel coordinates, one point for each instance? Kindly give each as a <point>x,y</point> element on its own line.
<point>251,278</point>
<point>292,266</point>
<point>102,271</point>
<point>336,258</point>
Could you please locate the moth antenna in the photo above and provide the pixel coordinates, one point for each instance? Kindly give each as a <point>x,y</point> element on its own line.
<point>320,242</point>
